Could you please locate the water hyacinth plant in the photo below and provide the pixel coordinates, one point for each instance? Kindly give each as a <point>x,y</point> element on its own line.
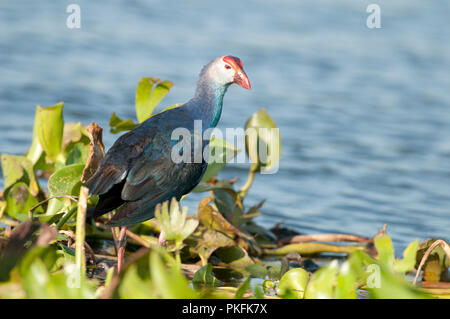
<point>48,249</point>
<point>174,226</point>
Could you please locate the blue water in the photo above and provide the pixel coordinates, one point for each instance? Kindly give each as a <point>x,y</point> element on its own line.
<point>364,113</point>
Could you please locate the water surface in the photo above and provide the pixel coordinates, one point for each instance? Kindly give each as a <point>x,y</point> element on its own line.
<point>364,114</point>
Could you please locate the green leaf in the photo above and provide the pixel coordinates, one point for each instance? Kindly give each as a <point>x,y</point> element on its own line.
<point>39,283</point>
<point>57,205</point>
<point>346,282</point>
<point>312,248</point>
<point>275,269</point>
<point>268,285</point>
<point>258,292</point>
<point>2,208</point>
<point>74,133</point>
<point>220,152</point>
<point>211,218</point>
<point>394,286</point>
<point>19,168</point>
<point>204,276</point>
<point>160,91</point>
<point>118,125</point>
<point>262,137</point>
<point>438,251</point>
<point>35,151</point>
<point>50,126</point>
<point>229,204</point>
<point>381,281</point>
<point>146,100</point>
<point>12,170</point>
<point>66,181</point>
<point>235,256</point>
<point>321,283</point>
<point>109,277</point>
<point>263,234</point>
<point>66,255</point>
<point>242,289</point>
<point>36,279</point>
<point>75,143</point>
<point>254,210</point>
<point>143,95</point>
<point>46,254</point>
<point>30,176</point>
<point>78,154</point>
<point>385,250</point>
<point>293,283</point>
<point>19,201</point>
<point>170,285</point>
<point>409,258</point>
<point>175,225</point>
<point>43,165</point>
<point>257,270</point>
<point>134,286</point>
<point>210,241</point>
<point>272,269</point>
<point>189,227</point>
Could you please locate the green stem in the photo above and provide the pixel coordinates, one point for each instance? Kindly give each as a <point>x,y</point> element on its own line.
<point>178,259</point>
<point>312,248</point>
<point>177,254</point>
<point>66,217</point>
<point>48,199</point>
<point>81,231</point>
<point>245,188</point>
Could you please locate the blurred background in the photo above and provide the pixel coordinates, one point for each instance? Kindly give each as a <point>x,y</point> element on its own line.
<point>364,114</point>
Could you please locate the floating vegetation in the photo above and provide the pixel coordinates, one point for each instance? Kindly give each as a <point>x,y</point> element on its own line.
<point>49,249</point>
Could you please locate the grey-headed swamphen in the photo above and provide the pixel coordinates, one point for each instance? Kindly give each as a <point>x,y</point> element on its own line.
<point>138,171</point>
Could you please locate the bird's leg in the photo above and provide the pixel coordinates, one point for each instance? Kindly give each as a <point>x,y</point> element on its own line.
<point>121,245</point>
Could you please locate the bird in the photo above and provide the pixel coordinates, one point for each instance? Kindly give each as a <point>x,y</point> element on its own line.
<point>138,171</point>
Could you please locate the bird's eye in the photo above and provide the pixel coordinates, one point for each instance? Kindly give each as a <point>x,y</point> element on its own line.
<point>227,67</point>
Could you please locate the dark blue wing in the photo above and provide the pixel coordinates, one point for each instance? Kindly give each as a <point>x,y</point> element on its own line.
<point>138,172</point>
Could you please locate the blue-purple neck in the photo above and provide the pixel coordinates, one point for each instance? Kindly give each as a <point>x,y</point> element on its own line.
<point>207,103</point>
